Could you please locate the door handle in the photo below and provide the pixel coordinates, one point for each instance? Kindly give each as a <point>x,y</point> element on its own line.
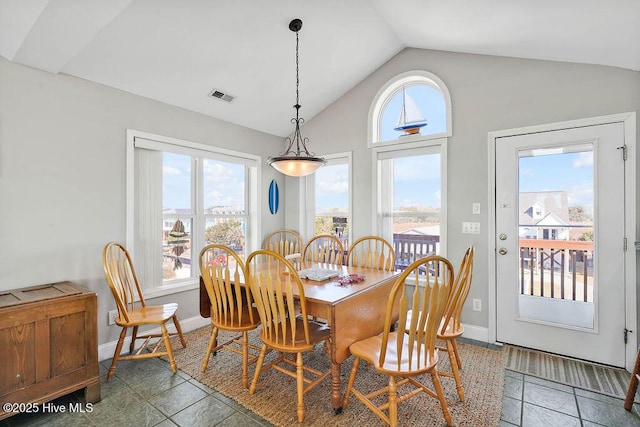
<point>502,251</point>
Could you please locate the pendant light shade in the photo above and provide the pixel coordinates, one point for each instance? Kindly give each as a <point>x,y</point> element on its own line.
<point>296,161</point>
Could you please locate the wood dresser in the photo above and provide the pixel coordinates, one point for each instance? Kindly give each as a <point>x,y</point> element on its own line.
<point>48,344</point>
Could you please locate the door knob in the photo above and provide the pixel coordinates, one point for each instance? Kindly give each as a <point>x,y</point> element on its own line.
<point>502,251</point>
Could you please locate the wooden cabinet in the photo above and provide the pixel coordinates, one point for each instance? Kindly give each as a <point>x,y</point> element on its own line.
<point>48,344</point>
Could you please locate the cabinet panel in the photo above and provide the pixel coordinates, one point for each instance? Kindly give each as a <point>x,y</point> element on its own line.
<point>48,344</point>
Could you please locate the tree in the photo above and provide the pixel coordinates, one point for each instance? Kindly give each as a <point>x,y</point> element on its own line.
<point>226,233</point>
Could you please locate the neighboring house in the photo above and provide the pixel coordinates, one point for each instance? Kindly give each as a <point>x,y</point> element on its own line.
<point>544,215</point>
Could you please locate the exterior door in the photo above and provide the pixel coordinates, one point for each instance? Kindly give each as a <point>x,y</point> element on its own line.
<point>560,261</point>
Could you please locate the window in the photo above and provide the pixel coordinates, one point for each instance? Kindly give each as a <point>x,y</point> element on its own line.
<point>409,119</point>
<point>181,197</point>
<point>411,107</point>
<point>410,196</point>
<point>329,192</point>
<point>332,199</point>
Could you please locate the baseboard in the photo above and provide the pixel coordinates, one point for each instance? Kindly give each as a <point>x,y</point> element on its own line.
<point>477,333</point>
<point>105,351</point>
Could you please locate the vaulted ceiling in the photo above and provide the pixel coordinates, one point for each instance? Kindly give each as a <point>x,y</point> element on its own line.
<point>177,51</point>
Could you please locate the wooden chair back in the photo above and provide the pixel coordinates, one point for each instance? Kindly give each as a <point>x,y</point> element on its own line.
<point>324,248</point>
<point>122,279</point>
<point>284,242</point>
<point>222,271</point>
<point>459,293</point>
<point>415,349</point>
<point>274,283</point>
<point>372,252</point>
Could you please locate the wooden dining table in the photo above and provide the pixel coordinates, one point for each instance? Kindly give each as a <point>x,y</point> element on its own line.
<point>353,312</point>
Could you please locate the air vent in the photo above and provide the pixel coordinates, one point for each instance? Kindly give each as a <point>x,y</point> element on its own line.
<point>215,93</point>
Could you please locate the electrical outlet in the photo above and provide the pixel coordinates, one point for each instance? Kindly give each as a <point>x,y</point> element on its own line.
<point>477,304</point>
<point>475,209</point>
<point>112,317</point>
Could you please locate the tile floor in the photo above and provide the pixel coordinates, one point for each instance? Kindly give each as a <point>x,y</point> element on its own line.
<point>146,393</point>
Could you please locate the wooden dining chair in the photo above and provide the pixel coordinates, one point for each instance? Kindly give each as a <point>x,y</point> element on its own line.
<point>405,355</point>
<point>284,242</point>
<point>122,280</point>
<point>450,326</point>
<point>232,310</point>
<point>274,283</point>
<point>372,252</point>
<point>324,248</point>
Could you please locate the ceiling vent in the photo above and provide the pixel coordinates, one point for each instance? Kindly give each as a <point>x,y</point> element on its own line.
<point>215,93</point>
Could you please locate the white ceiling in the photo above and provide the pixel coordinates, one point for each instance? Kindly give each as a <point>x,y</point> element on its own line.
<point>176,51</point>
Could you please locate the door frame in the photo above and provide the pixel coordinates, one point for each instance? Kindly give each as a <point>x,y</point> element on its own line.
<point>629,122</point>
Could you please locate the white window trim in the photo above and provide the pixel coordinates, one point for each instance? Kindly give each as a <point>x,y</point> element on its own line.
<point>417,147</point>
<point>149,140</point>
<point>382,97</point>
<point>309,188</point>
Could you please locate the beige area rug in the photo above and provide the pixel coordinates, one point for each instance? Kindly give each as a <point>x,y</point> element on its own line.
<point>275,397</point>
<point>598,378</point>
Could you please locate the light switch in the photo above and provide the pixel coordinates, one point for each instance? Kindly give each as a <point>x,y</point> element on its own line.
<point>470,228</point>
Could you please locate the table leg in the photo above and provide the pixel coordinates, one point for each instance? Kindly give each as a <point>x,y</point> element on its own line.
<point>336,386</point>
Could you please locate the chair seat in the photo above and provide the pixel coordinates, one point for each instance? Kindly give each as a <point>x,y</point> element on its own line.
<point>317,332</point>
<point>149,315</point>
<point>245,323</point>
<point>451,331</point>
<point>369,350</point>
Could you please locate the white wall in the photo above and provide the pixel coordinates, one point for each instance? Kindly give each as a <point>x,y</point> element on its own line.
<point>62,176</point>
<point>488,93</point>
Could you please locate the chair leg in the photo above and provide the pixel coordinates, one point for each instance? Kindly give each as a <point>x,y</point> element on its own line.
<point>454,342</point>
<point>352,378</point>
<point>245,359</point>
<point>176,323</point>
<point>134,335</point>
<point>167,344</point>
<point>300,386</point>
<point>454,368</point>
<point>254,382</point>
<point>393,402</point>
<point>116,354</point>
<point>212,343</point>
<point>443,403</point>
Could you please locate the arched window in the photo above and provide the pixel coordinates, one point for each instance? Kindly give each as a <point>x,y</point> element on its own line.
<point>410,120</point>
<point>413,106</point>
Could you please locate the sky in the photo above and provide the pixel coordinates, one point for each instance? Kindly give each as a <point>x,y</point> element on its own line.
<point>572,172</point>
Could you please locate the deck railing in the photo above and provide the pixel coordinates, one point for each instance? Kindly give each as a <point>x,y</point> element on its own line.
<point>557,269</point>
<point>410,247</point>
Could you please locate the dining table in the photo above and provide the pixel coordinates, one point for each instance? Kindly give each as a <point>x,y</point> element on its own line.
<point>353,311</point>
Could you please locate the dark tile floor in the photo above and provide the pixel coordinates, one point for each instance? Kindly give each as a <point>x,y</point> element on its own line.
<point>146,393</point>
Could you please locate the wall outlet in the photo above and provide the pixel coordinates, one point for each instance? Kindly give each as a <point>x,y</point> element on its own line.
<point>470,228</point>
<point>112,317</point>
<point>475,209</point>
<point>477,304</point>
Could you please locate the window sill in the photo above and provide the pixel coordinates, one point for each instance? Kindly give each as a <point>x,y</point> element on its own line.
<point>171,289</point>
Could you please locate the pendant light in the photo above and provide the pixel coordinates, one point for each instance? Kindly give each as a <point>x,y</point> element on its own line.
<point>298,161</point>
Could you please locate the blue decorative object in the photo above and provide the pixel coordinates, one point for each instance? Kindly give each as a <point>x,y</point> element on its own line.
<point>274,197</point>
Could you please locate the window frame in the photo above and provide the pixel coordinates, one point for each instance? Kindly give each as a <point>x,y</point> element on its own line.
<point>310,192</point>
<point>426,146</point>
<point>253,165</point>
<point>385,94</point>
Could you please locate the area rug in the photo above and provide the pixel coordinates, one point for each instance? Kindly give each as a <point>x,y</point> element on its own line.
<point>275,397</point>
<point>598,378</point>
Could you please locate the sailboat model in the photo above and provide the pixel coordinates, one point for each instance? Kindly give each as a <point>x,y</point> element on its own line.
<point>411,118</point>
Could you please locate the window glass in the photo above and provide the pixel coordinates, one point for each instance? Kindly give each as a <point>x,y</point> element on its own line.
<point>417,103</point>
<point>332,200</point>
